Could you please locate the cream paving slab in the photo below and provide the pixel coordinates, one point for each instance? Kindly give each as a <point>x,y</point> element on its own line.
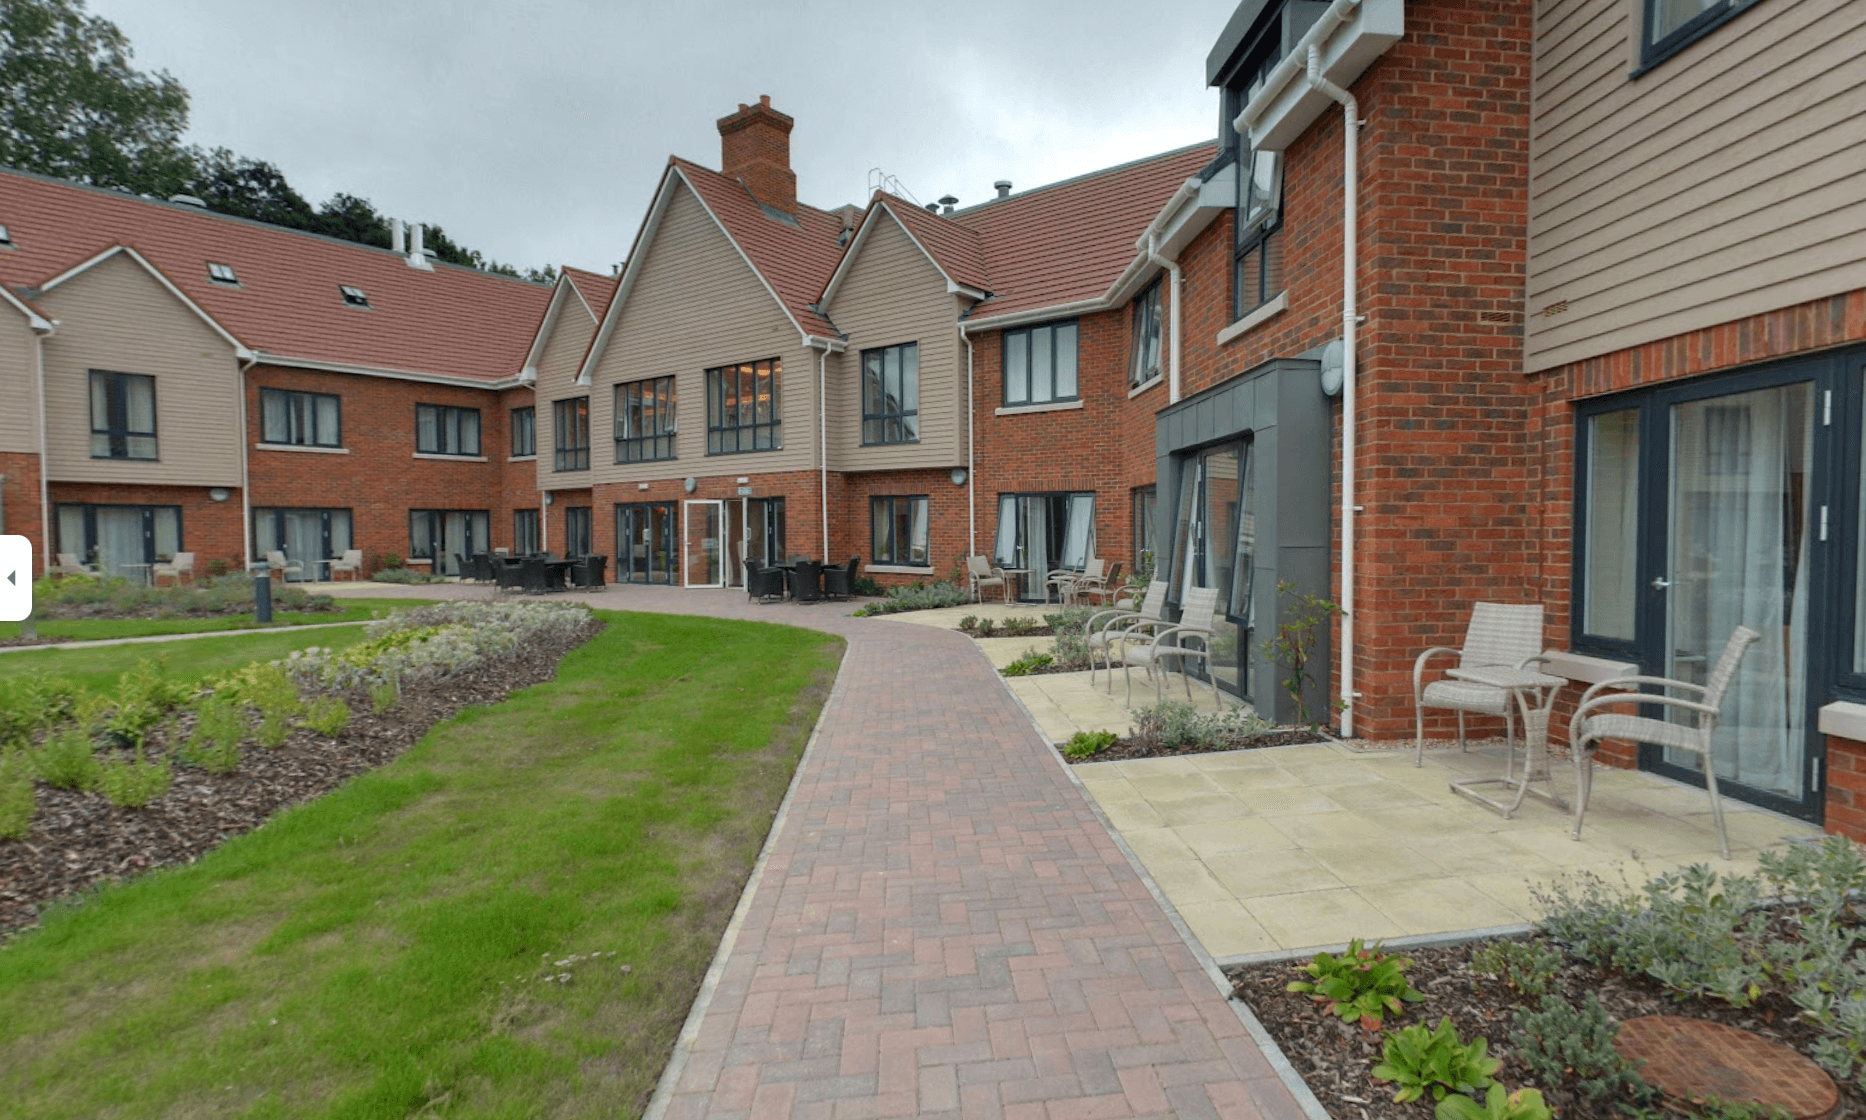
<point>1226,928</point>
<point>1272,872</point>
<point>1199,808</point>
<point>1421,905</point>
<point>1216,838</point>
<point>1317,918</point>
<point>1160,845</point>
<point>1188,879</point>
<point>1359,865</point>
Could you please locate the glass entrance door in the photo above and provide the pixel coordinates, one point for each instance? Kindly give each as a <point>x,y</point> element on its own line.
<point>645,542</point>
<point>1215,545</point>
<point>703,544</point>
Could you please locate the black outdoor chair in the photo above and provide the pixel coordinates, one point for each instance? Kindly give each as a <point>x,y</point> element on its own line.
<point>589,573</point>
<point>763,584</point>
<point>461,568</point>
<point>508,574</point>
<point>483,570</point>
<point>534,575</point>
<point>806,581</point>
<point>839,583</point>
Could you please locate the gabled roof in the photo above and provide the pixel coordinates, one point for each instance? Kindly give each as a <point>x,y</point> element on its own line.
<point>587,292</point>
<point>130,254</point>
<point>793,257</point>
<point>1070,242</point>
<point>451,322</point>
<point>595,288</point>
<point>953,249</point>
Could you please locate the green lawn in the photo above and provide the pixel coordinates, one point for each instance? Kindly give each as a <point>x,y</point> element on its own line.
<point>92,629</point>
<point>97,667</point>
<point>380,951</point>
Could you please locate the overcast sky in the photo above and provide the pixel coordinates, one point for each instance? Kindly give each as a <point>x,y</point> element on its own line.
<point>535,130</point>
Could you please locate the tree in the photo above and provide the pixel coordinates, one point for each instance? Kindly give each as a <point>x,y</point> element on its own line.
<point>352,219</point>
<point>249,188</point>
<point>71,104</point>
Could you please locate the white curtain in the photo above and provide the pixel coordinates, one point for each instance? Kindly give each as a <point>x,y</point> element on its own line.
<point>1610,576</point>
<point>1078,534</point>
<point>1740,557</point>
<point>120,541</point>
<point>1004,549</point>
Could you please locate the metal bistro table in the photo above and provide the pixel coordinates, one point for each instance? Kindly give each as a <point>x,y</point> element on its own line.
<point>1525,685</point>
<point>1019,575</point>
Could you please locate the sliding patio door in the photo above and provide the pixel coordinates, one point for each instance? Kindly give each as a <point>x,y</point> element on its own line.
<point>1044,533</point>
<point>704,547</point>
<point>1214,545</point>
<point>646,543</point>
<point>1700,511</point>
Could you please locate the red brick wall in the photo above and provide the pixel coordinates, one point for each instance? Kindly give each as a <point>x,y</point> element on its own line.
<point>755,148</point>
<point>803,521</point>
<point>518,481</point>
<point>209,529</point>
<point>850,520</point>
<point>1846,787</point>
<point>19,496</point>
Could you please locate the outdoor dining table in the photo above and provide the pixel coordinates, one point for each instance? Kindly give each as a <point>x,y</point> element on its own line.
<point>1020,573</point>
<point>1526,686</point>
<point>557,574</point>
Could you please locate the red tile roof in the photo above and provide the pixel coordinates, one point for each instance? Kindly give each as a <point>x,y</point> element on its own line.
<point>956,248</point>
<point>596,289</point>
<point>1070,241</point>
<point>795,258</point>
<point>454,322</point>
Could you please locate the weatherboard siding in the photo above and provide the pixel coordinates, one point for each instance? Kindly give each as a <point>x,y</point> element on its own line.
<point>892,294</point>
<point>696,305</point>
<point>19,385</point>
<point>1724,182</point>
<point>563,353</point>
<point>118,317</point>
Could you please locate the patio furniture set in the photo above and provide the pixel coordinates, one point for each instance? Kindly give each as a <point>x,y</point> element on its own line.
<point>800,579</point>
<point>539,573</point>
<point>1098,579</point>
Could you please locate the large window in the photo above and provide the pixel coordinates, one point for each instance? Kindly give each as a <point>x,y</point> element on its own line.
<point>1146,503</point>
<point>1144,362</point>
<point>1215,545</point>
<point>645,420</point>
<point>647,545</point>
<point>1257,249</point>
<point>570,429</point>
<point>120,540</point>
<point>123,417</point>
<point>309,538</point>
<point>898,531</point>
<point>1043,533</point>
<point>304,419</point>
<point>445,430</point>
<point>891,394</point>
<point>524,532</point>
<point>1040,364</point>
<point>524,432</point>
<point>744,408</point>
<point>446,536</point>
<point>576,531</point>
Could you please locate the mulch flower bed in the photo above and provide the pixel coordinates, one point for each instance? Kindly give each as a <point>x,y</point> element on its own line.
<point>1126,749</point>
<point>79,840</point>
<point>1336,1059</point>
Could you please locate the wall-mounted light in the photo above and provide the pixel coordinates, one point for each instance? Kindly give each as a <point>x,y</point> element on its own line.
<point>958,476</point>
<point>691,484</point>
<point>743,479</point>
<point>547,498</point>
<point>641,486</point>
<point>219,493</point>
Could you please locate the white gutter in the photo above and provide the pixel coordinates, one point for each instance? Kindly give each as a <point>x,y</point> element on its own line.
<point>246,489</point>
<point>1041,314</point>
<point>1350,319</point>
<point>43,329</point>
<point>971,463</point>
<point>1172,278</point>
<point>517,382</point>
<point>1296,62</point>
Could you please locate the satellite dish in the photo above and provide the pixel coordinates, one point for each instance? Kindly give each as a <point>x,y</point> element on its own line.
<point>1331,368</point>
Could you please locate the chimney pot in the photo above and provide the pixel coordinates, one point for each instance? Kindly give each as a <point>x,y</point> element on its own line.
<point>1004,188</point>
<point>765,100</point>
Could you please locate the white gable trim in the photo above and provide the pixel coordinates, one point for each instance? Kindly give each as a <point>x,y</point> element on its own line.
<point>240,350</point>
<point>730,240</point>
<point>953,287</point>
<point>33,319</point>
<point>529,371</point>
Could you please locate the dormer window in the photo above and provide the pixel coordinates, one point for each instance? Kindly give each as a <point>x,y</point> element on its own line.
<point>353,296</point>
<point>6,237</point>
<point>222,274</point>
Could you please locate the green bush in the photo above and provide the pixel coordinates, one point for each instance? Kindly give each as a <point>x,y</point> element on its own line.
<point>1361,984</point>
<point>1174,725</point>
<point>407,575</point>
<point>1069,644</point>
<point>16,796</point>
<point>1434,1061</point>
<point>81,596</point>
<point>986,627</point>
<point>1560,1046</point>
<point>32,704</point>
<point>1020,627</point>
<point>919,597</point>
<point>384,696</point>
<point>1523,1104</point>
<point>328,716</point>
<point>1030,662</point>
<point>1086,743</point>
<point>969,623</point>
<point>1527,966</point>
<point>67,759</point>
<point>865,587</point>
<point>143,700</point>
<point>132,783</point>
<point>219,728</point>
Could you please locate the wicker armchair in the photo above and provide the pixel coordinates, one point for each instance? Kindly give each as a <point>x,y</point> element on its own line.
<point>1102,589</point>
<point>1106,628</point>
<point>984,574</point>
<point>589,573</point>
<point>806,581</point>
<point>763,584</point>
<point>281,568</point>
<point>1590,724</point>
<point>839,583</point>
<point>351,561</point>
<point>1065,581</point>
<point>1499,634</point>
<point>181,565</point>
<point>1198,620</point>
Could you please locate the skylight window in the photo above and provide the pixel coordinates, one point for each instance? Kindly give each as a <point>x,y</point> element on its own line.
<point>6,237</point>
<point>221,273</point>
<point>353,296</point>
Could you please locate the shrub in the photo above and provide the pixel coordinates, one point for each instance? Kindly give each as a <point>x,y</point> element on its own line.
<point>1069,644</point>
<point>431,643</point>
<point>144,698</point>
<point>219,727</point>
<point>919,597</point>
<point>406,575</point>
<point>1293,646</point>
<point>1434,1061</point>
<point>68,759</point>
<point>1523,1104</point>
<point>32,704</point>
<point>1085,743</point>
<point>1174,725</point>
<point>384,696</point>
<point>328,716</point>
<point>969,623</point>
<point>986,627</point>
<point>132,783</point>
<point>865,587</point>
<point>1030,662</point>
<point>16,797</point>
<point>1527,966</point>
<point>1019,627</point>
<point>1363,984</point>
<point>1561,1046</point>
<point>81,596</point>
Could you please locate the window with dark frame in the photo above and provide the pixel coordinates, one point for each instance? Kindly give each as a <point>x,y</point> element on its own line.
<point>524,432</point>
<point>123,415</point>
<point>222,274</point>
<point>744,407</point>
<point>1040,364</point>
<point>576,531</point>
<point>1257,247</point>
<point>1146,506</point>
<point>1673,25</point>
<point>439,534</point>
<point>1144,362</point>
<point>120,540</point>
<point>570,434</point>
<point>442,429</point>
<point>898,531</point>
<point>524,532</point>
<point>288,416</point>
<point>646,421</point>
<point>353,296</point>
<point>891,394</point>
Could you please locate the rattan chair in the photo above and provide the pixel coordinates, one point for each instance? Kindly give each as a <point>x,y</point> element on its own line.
<point>1505,634</point>
<point>1105,628</point>
<point>281,568</point>
<point>589,573</point>
<point>806,581</point>
<point>1198,620</point>
<point>181,565</point>
<point>1102,589</point>
<point>839,583</point>
<point>763,584</point>
<point>1065,582</point>
<point>1590,724</point>
<point>351,561</point>
<point>69,565</point>
<point>984,574</point>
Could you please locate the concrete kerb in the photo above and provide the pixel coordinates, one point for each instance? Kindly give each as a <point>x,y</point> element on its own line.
<point>703,1002</point>
<point>147,638</point>
<point>1285,1072</point>
<point>1411,941</point>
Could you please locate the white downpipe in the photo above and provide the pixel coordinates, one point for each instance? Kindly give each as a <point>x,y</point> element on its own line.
<point>1172,283</point>
<point>971,461</point>
<point>45,454</point>
<point>246,474</point>
<point>822,439</point>
<point>1350,318</point>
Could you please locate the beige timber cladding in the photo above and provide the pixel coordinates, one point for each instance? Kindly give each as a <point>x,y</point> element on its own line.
<point>19,384</point>
<point>564,349</point>
<point>695,305</point>
<point>116,316</point>
<point>1725,182</point>
<point>893,294</point>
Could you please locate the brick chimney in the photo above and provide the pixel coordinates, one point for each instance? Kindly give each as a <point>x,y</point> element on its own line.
<point>754,148</point>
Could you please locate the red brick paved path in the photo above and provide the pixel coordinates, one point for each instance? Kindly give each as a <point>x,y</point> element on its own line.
<point>944,927</point>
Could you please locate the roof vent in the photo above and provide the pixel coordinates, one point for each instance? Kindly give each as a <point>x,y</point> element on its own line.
<point>932,207</point>
<point>398,236</point>
<point>1004,188</point>
<point>6,237</point>
<point>417,255</point>
<point>947,202</point>
<point>188,200</point>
